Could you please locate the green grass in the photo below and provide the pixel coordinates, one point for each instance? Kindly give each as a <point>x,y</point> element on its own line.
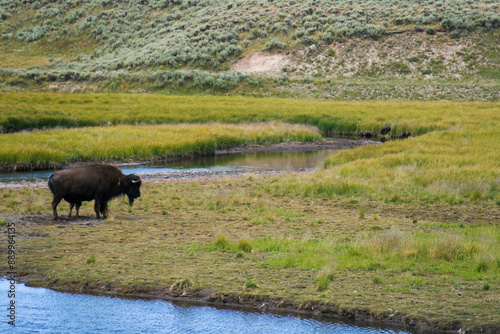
<point>453,160</point>
<point>457,165</point>
<point>418,268</point>
<point>54,148</point>
<point>470,253</point>
<point>45,110</point>
<point>92,259</point>
<point>408,225</point>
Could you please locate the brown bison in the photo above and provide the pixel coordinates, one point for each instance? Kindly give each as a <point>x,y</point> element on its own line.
<point>96,182</point>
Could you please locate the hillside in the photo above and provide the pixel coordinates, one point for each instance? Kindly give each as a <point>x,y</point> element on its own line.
<point>354,50</point>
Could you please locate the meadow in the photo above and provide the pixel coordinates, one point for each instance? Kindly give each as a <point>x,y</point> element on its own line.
<point>406,232</point>
<point>56,148</point>
<point>25,111</point>
<point>234,240</point>
<point>453,156</point>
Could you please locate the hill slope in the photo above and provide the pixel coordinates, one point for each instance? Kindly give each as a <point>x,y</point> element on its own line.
<point>195,46</point>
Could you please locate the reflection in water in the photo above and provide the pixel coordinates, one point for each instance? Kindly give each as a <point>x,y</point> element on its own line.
<point>249,162</point>
<point>41,310</point>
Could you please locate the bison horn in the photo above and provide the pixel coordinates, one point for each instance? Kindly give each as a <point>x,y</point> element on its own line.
<point>135,181</point>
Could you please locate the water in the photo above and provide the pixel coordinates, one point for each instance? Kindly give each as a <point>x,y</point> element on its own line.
<point>244,162</point>
<point>40,310</point>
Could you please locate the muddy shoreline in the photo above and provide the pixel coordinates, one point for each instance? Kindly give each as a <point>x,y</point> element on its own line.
<point>325,144</point>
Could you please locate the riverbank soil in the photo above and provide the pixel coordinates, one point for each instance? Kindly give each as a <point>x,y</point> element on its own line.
<point>236,241</point>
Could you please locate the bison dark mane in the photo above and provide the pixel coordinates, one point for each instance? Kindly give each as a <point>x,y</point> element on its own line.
<point>100,183</point>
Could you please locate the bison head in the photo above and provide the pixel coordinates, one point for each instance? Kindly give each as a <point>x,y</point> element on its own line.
<point>132,184</point>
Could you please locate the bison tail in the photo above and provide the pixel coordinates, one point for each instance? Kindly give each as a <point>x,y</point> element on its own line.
<point>51,187</point>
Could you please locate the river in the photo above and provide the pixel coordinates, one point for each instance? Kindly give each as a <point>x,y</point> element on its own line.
<point>40,310</point>
<point>227,163</point>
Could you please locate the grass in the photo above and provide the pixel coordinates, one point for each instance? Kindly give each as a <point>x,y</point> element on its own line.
<point>54,148</point>
<point>250,284</point>
<point>453,160</point>
<point>411,225</point>
<point>46,110</point>
<point>245,245</point>
<point>92,259</point>
<point>417,269</point>
<point>457,165</point>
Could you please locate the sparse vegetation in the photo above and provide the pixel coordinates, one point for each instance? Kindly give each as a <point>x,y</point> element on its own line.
<point>188,47</point>
<point>359,267</point>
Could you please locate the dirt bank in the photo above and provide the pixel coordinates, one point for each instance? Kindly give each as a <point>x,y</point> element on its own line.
<point>325,144</point>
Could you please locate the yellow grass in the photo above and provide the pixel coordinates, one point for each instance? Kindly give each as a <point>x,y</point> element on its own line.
<point>125,142</point>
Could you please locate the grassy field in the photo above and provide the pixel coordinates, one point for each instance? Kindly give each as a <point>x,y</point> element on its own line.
<point>45,110</point>
<point>406,231</point>
<point>54,148</point>
<point>446,166</point>
<point>453,159</point>
<point>434,264</point>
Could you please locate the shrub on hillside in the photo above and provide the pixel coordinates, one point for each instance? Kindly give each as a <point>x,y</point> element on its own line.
<point>275,44</point>
<point>32,34</point>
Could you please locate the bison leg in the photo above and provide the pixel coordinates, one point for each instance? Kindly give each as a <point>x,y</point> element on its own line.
<point>71,205</point>
<point>78,205</point>
<point>97,208</point>
<point>55,202</point>
<point>104,210</point>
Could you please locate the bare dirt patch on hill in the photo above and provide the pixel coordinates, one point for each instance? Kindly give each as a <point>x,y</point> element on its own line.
<point>269,63</point>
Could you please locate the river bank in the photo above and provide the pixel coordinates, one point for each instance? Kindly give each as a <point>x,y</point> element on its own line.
<point>186,173</point>
<point>184,238</point>
<point>256,303</point>
<point>242,239</point>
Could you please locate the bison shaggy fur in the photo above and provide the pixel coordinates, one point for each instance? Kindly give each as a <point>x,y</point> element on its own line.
<point>94,182</point>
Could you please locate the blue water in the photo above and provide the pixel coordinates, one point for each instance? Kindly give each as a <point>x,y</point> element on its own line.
<point>244,162</point>
<point>40,310</point>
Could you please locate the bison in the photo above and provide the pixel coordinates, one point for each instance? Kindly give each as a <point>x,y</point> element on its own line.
<point>95,182</point>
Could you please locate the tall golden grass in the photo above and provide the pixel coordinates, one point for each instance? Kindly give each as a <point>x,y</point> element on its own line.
<point>45,110</point>
<point>454,158</point>
<point>42,149</point>
<point>455,165</point>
